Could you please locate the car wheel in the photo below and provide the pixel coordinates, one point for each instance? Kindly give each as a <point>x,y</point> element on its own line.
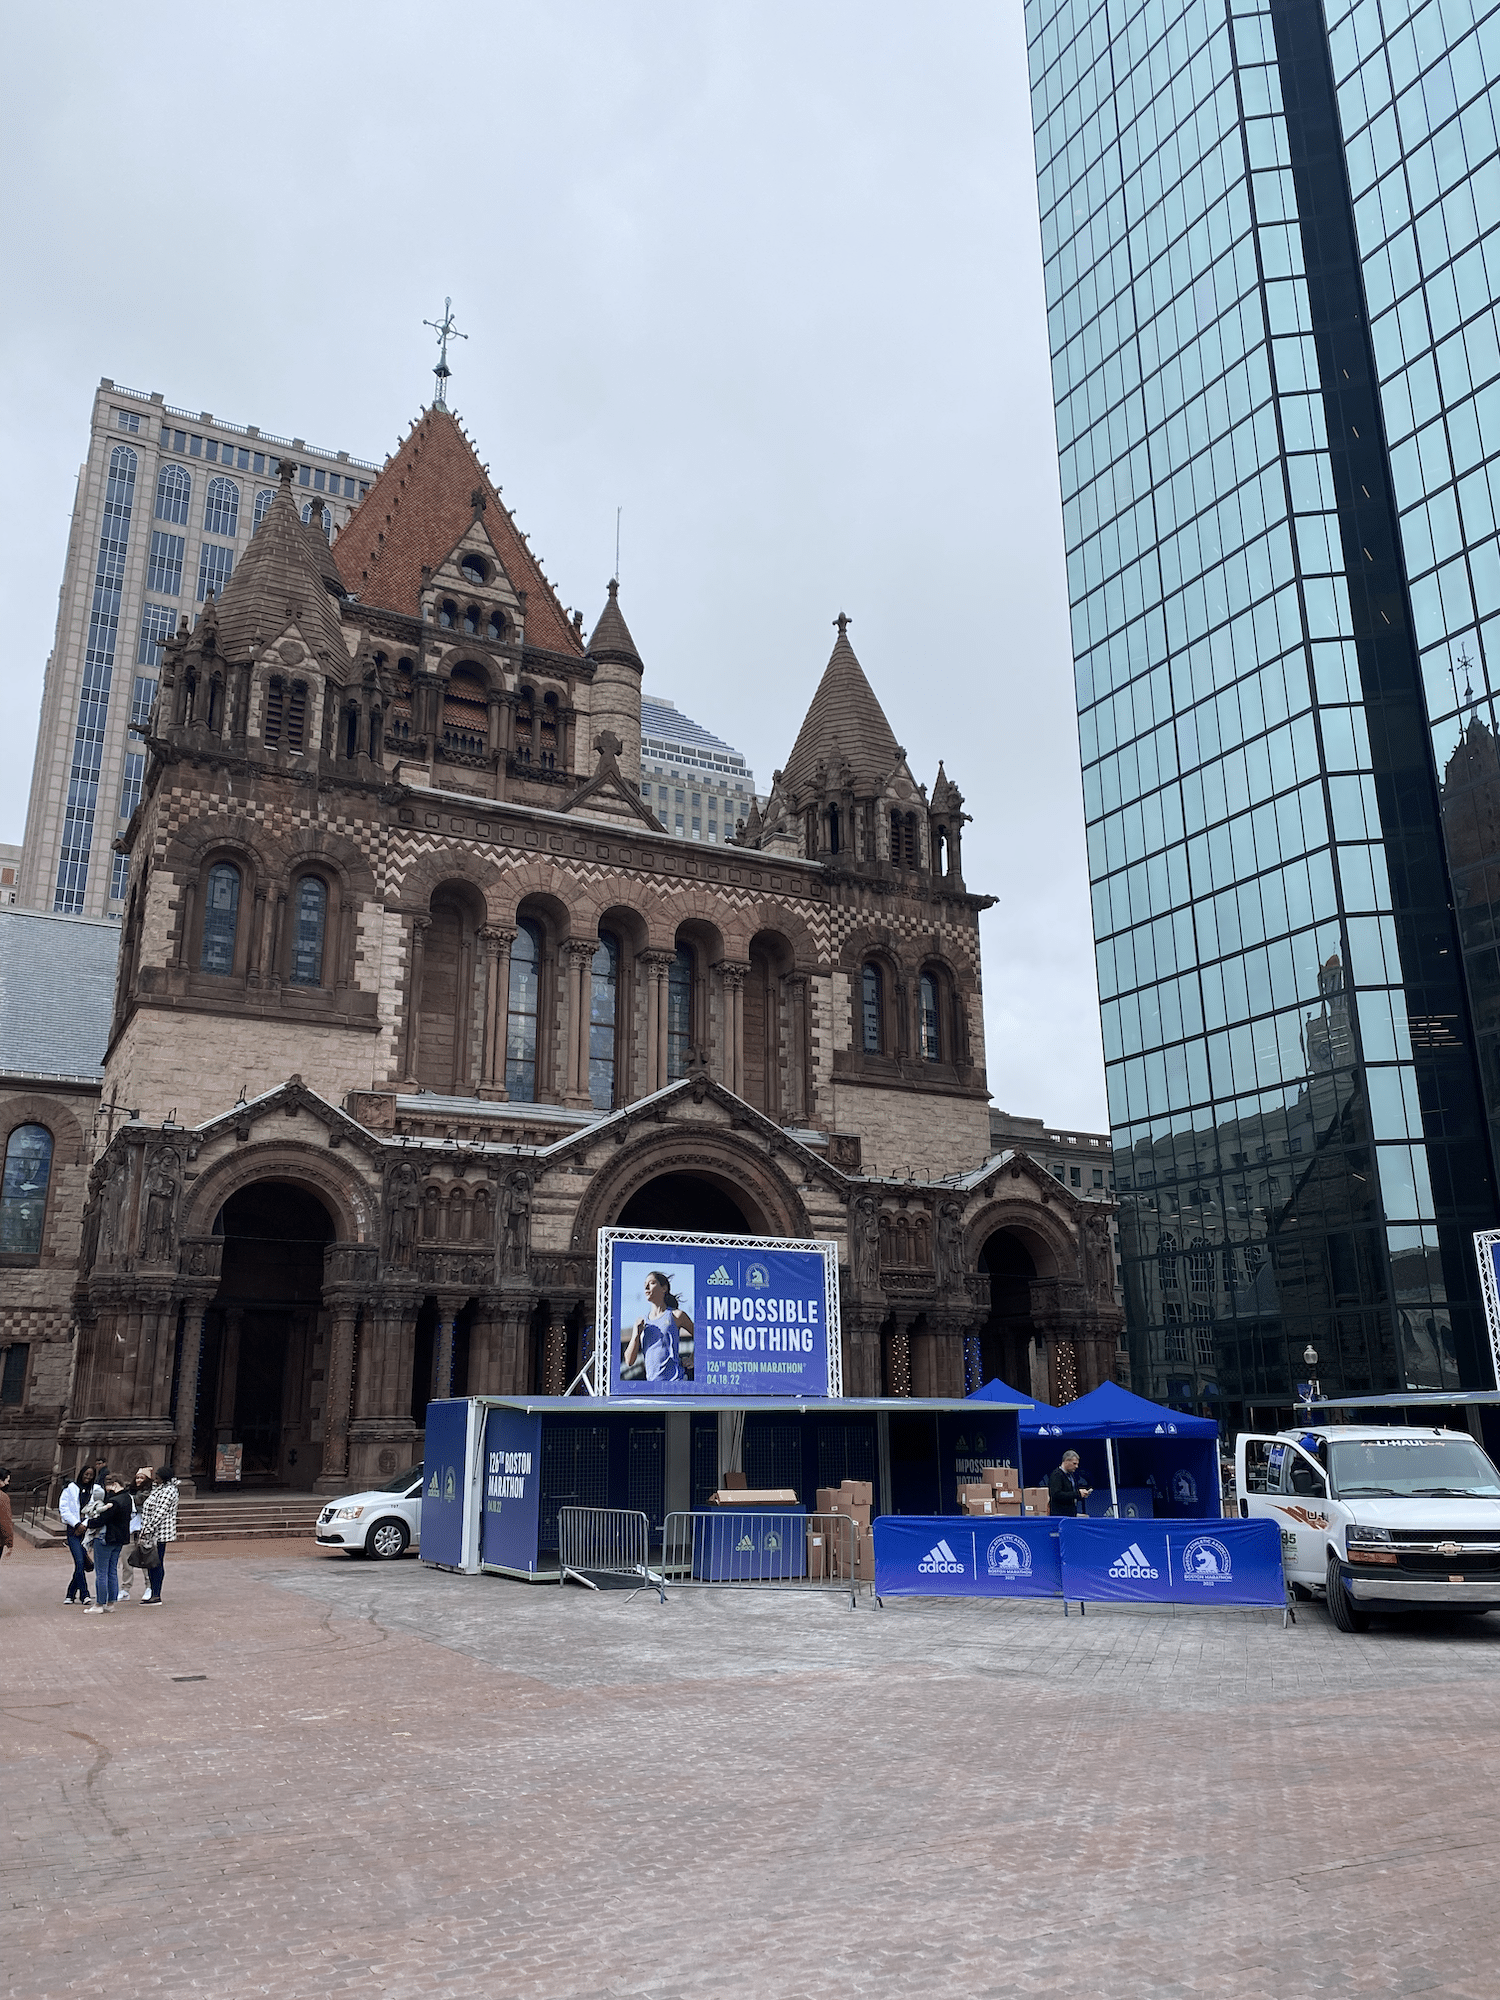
<point>1342,1609</point>
<point>387,1540</point>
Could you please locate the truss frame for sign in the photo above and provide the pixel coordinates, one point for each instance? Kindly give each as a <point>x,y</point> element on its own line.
<point>1485,1243</point>
<point>595,1377</point>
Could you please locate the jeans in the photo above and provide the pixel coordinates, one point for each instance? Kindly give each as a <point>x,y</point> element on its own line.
<point>156,1569</point>
<point>106,1572</point>
<point>79,1587</point>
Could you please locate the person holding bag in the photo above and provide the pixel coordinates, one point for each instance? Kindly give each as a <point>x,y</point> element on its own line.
<point>158,1527</point>
<point>134,1558</point>
<point>71,1502</point>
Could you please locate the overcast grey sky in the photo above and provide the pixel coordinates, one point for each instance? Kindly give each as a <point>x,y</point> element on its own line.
<point>767,277</point>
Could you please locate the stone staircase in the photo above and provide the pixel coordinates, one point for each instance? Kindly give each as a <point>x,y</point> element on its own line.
<point>245,1517</point>
<point>214,1517</point>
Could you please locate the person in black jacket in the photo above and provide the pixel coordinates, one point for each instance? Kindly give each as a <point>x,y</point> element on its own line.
<point>1063,1491</point>
<point>111,1533</point>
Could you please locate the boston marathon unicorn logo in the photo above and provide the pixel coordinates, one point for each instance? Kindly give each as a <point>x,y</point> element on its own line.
<point>1206,1560</point>
<point>1184,1488</point>
<point>1008,1556</point>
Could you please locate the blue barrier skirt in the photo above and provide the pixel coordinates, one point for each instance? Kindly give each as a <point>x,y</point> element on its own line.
<point>967,1555</point>
<point>1173,1562</point>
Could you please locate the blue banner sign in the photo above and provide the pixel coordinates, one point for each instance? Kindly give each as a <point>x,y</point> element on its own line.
<point>717,1316</point>
<point>511,1483</point>
<point>963,1555</point>
<point>1173,1562</point>
<point>749,1544</point>
<point>445,1483</point>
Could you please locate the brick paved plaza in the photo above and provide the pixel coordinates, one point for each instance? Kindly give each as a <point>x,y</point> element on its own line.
<point>313,1779</point>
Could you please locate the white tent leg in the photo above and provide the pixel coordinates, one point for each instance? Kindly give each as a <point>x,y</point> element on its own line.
<point>1114,1491</point>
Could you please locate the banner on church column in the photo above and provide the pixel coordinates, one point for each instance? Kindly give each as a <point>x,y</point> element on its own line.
<point>716,1316</point>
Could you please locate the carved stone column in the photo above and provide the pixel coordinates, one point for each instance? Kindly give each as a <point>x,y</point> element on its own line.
<point>419,929</point>
<point>555,1357</point>
<point>577,959</point>
<point>278,931</point>
<point>799,1049</point>
<point>338,1395</point>
<point>257,940</point>
<point>185,935</point>
<point>732,986</point>
<point>656,965</point>
<point>496,942</point>
<point>897,1362</point>
<point>442,1347</point>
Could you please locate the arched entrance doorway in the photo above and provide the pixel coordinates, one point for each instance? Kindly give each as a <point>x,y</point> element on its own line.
<point>265,1344</point>
<point>1006,1338</point>
<point>700,1203</point>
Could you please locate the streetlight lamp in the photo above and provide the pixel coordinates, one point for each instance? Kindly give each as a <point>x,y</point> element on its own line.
<point>1310,1361</point>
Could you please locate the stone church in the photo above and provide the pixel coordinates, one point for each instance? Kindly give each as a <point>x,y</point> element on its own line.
<point>415,994</point>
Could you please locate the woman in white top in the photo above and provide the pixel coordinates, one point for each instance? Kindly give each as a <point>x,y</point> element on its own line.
<point>654,1337</point>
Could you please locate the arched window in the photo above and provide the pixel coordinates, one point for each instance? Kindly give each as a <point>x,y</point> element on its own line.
<point>1200,1265</point>
<point>927,997</point>
<point>521,1014</point>
<point>471,620</point>
<point>309,925</point>
<point>448,613</point>
<point>604,986</point>
<point>525,709</point>
<point>679,1012</point>
<point>475,568</point>
<point>833,829</point>
<point>221,510</point>
<point>496,625</point>
<point>324,518</point>
<point>870,997</point>
<point>221,908</point>
<point>23,1192</point>
<point>263,500</point>
<point>548,747</point>
<point>174,490</point>
<point>1166,1262</point>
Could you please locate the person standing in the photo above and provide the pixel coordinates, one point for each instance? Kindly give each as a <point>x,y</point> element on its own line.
<point>71,1502</point>
<point>111,1533</point>
<point>7,1525</point>
<point>158,1527</point>
<point>140,1486</point>
<point>1063,1490</point>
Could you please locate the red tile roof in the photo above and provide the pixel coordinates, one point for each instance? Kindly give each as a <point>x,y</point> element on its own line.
<point>418,510</point>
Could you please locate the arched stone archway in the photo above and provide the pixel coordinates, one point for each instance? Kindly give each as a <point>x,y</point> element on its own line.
<point>699,1202</point>
<point>263,1365</point>
<point>721,1169</point>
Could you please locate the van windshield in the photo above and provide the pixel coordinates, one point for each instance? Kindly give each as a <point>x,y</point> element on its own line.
<point>1411,1468</point>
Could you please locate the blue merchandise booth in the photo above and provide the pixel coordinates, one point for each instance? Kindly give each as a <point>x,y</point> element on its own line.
<point>498,1469</point>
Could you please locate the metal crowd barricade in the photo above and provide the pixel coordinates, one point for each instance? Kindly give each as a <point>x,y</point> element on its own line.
<point>601,1546</point>
<point>734,1548</point>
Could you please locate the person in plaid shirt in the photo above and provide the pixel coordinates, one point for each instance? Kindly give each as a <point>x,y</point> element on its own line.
<point>158,1527</point>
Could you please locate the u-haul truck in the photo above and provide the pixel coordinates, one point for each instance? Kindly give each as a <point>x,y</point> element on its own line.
<point>1378,1519</point>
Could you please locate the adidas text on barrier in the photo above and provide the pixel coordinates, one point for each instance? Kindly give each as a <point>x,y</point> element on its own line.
<point>1133,1565</point>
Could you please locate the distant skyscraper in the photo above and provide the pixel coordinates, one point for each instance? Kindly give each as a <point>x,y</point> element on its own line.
<point>695,783</point>
<point>1272,264</point>
<point>166,503</point>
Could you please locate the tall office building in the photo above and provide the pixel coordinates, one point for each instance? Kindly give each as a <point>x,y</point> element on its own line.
<point>696,784</point>
<point>1272,259</point>
<point>167,501</point>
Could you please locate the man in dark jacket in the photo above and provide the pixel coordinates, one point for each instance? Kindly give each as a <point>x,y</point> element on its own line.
<point>111,1533</point>
<point>1063,1491</point>
<point>7,1526</point>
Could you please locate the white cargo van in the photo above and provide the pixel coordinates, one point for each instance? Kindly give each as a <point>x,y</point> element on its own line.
<point>1378,1519</point>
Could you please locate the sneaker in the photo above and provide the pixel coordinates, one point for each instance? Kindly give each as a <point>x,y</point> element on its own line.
<point>92,1608</point>
<point>146,1597</point>
<point>123,1598</point>
<point>154,1602</point>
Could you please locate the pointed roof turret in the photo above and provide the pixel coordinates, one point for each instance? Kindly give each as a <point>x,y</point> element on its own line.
<point>946,797</point>
<point>418,510</point>
<point>844,722</point>
<point>612,638</point>
<point>281,580</point>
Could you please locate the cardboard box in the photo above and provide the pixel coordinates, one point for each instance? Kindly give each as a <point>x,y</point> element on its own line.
<point>864,1558</point>
<point>972,1492</point>
<point>818,1555</point>
<point>973,1506</point>
<point>860,1516</point>
<point>1008,1503</point>
<point>860,1491</point>
<point>1003,1478</point>
<point>828,1500</point>
<point>745,1496</point>
<point>1038,1499</point>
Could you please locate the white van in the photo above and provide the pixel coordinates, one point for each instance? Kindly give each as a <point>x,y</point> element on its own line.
<point>1378,1519</point>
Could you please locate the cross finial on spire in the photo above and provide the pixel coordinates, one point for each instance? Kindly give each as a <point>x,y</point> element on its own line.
<point>843,621</point>
<point>445,329</point>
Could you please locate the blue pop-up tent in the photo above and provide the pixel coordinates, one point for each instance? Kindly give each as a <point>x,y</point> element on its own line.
<point>1123,1440</point>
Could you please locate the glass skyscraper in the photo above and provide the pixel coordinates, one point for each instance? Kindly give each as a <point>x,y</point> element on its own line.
<point>1271,237</point>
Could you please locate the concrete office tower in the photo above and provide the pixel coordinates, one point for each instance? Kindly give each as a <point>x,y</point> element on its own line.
<point>697,785</point>
<point>167,502</point>
<point>1271,258</point>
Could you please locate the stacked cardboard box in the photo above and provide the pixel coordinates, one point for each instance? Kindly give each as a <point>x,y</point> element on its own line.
<point>997,1493</point>
<point>976,1499</point>
<point>1037,1499</point>
<point>855,1500</point>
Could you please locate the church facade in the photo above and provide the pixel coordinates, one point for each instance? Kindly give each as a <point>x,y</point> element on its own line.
<point>415,994</point>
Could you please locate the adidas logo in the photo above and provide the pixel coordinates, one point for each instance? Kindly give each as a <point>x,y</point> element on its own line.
<point>1132,1564</point>
<point>721,1277</point>
<point>940,1561</point>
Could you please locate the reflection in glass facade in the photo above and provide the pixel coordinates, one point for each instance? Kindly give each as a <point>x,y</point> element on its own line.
<point>1281,556</point>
